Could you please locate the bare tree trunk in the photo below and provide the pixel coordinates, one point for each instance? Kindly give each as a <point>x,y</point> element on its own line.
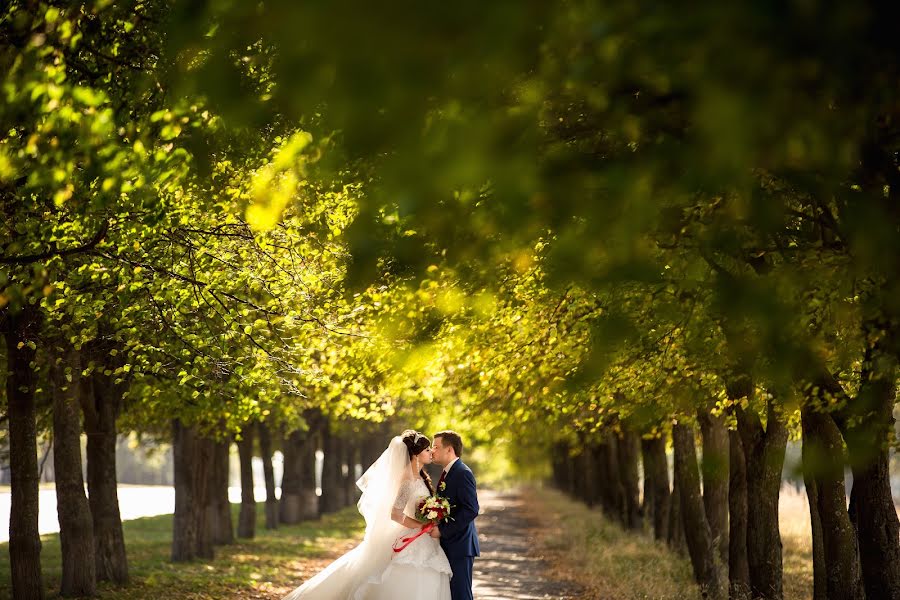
<point>101,400</point>
<point>218,505</point>
<point>298,484</point>
<point>616,486</point>
<point>867,436</point>
<point>76,528</point>
<point>20,331</point>
<point>708,570</point>
<point>590,475</point>
<point>192,457</point>
<point>332,490</point>
<point>738,567</point>
<point>676,521</point>
<point>820,576</point>
<point>247,516</point>
<point>714,466</point>
<point>629,453</point>
<point>350,458</point>
<point>764,458</point>
<point>265,449</point>
<point>370,450</point>
<point>656,485</point>
<point>823,461</point>
<point>571,472</point>
<point>580,485</point>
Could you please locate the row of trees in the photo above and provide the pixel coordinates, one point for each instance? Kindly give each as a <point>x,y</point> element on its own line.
<point>619,226</point>
<point>138,293</point>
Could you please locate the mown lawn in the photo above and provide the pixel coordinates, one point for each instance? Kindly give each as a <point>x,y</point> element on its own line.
<point>268,566</point>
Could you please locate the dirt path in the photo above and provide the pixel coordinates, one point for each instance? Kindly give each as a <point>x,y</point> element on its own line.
<point>509,567</point>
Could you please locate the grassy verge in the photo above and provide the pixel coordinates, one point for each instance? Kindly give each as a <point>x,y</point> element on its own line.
<point>266,567</point>
<point>583,546</point>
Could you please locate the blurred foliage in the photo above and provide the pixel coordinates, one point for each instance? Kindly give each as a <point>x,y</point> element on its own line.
<point>547,216</point>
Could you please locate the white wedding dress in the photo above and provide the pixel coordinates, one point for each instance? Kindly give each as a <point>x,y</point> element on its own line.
<point>372,570</point>
<point>420,571</point>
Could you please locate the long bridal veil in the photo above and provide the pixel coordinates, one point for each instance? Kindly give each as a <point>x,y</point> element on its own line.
<point>348,577</point>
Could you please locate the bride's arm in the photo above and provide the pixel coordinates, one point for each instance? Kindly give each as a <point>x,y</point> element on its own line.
<point>397,513</point>
<point>408,522</point>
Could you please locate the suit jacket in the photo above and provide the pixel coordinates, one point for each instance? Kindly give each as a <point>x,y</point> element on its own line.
<point>459,537</point>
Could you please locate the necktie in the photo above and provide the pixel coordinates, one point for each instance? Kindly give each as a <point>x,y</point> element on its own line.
<point>441,480</point>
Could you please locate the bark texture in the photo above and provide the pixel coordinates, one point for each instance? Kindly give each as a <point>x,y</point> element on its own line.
<point>101,400</point>
<point>76,528</point>
<point>192,457</point>
<point>657,494</point>
<point>738,567</point>
<point>265,450</point>
<point>20,332</point>
<point>247,516</point>
<point>708,570</point>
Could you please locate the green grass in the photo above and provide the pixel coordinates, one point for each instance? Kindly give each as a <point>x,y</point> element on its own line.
<point>268,566</point>
<point>584,546</point>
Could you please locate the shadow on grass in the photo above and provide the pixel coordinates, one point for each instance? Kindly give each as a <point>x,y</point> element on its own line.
<point>268,566</point>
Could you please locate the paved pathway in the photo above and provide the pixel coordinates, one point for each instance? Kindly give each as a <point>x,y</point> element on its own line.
<point>508,569</point>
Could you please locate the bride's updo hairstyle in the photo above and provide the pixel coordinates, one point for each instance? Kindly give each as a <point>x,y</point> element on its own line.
<point>416,443</point>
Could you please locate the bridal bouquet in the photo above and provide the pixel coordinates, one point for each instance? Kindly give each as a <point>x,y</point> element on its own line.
<point>432,510</point>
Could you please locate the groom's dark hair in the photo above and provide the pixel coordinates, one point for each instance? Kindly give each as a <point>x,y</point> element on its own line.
<point>451,438</point>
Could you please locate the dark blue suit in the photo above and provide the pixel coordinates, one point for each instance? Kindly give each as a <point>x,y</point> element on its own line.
<point>459,539</point>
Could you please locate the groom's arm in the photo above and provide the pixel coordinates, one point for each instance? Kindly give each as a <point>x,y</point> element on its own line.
<point>466,509</point>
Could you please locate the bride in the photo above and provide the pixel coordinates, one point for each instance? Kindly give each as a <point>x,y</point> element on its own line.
<point>391,491</point>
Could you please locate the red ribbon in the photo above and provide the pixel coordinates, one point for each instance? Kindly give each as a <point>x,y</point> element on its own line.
<point>409,540</point>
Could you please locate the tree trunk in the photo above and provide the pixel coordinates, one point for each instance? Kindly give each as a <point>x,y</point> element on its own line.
<point>867,436</point>
<point>875,520</point>
<point>101,399</point>
<point>20,330</point>
<point>332,488</point>
<point>616,486</point>
<point>738,567</point>
<point>590,475</point>
<point>629,455</point>
<point>218,505</point>
<point>714,466</point>
<point>192,459</point>
<point>676,522</point>
<point>708,570</point>
<point>76,528</point>
<point>558,465</point>
<point>764,459</point>
<point>571,472</point>
<point>656,485</point>
<point>298,484</point>
<point>823,461</point>
<point>247,516</point>
<point>350,479</point>
<point>580,485</point>
<point>599,480</point>
<point>606,491</point>
<point>344,460</point>
<point>370,450</point>
<point>265,449</point>
<point>820,576</point>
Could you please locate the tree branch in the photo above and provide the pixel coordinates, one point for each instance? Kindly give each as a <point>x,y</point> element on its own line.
<point>32,258</point>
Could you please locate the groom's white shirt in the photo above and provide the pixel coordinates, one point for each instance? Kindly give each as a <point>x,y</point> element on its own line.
<point>450,464</point>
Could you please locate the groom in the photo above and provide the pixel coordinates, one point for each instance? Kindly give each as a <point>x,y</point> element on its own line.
<point>458,536</point>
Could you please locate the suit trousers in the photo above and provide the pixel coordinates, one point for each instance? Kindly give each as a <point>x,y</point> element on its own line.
<point>461,582</point>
